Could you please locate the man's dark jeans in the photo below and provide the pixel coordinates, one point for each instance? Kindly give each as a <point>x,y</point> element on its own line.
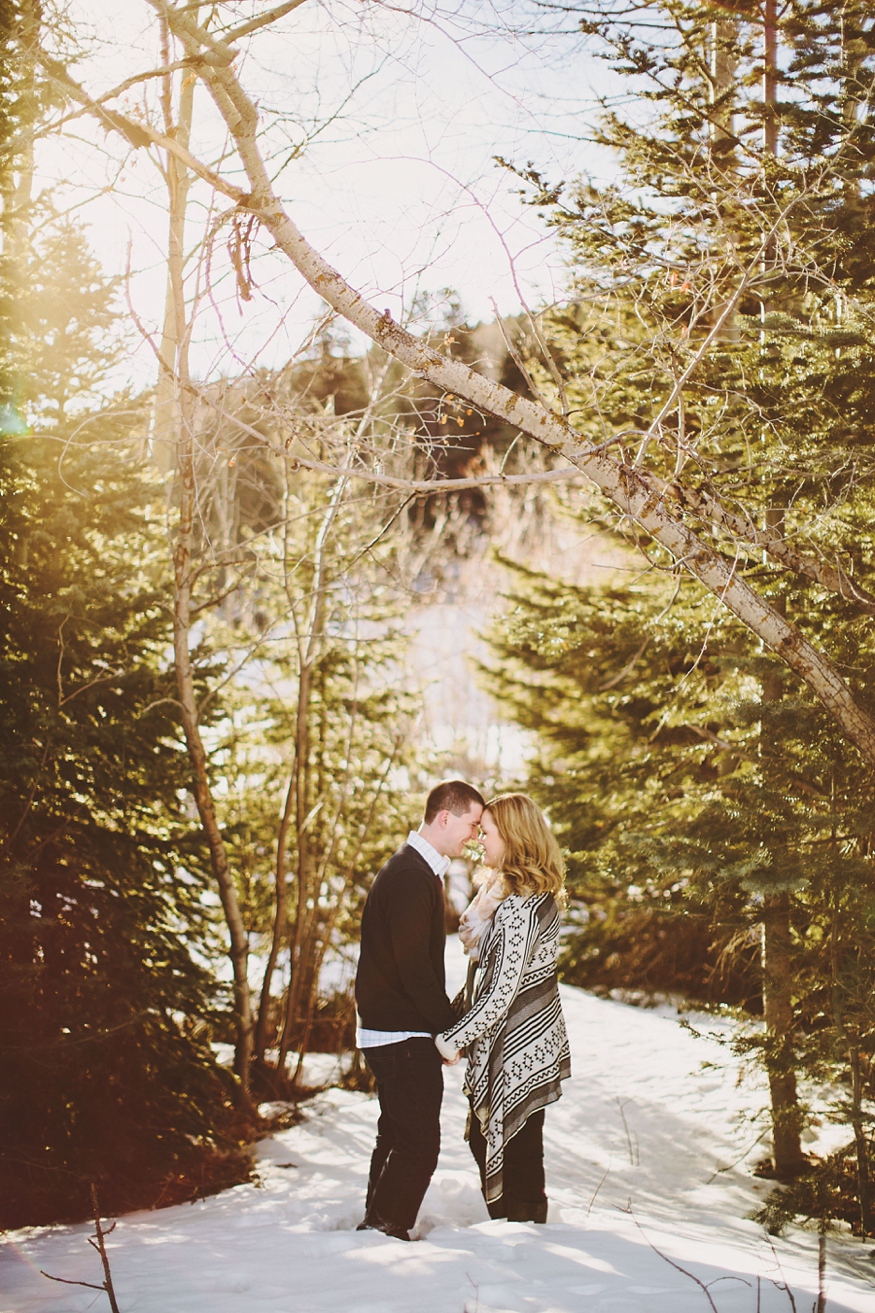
<point>410,1085</point>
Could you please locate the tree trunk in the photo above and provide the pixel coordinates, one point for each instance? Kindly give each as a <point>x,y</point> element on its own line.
<point>297,802</point>
<point>310,646</point>
<point>182,563</point>
<point>770,76</point>
<point>778,979</point>
<point>279,926</point>
<point>721,70</point>
<point>165,409</point>
<point>864,1186</point>
<point>301,790</point>
<point>777,963</point>
<point>174,422</point>
<point>850,1037</point>
<point>331,921</point>
<point>777,959</point>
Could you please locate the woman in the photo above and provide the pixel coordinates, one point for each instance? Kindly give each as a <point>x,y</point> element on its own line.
<point>514,1032</point>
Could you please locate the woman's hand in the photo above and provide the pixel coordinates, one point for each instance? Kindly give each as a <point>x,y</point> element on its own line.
<point>449,1054</point>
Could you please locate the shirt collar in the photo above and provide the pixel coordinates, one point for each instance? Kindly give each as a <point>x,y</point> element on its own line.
<point>438,863</point>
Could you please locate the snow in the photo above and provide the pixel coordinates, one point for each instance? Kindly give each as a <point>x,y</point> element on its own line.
<point>648,1157</point>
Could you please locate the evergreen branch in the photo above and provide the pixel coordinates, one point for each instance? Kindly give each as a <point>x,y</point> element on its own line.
<point>757,758</point>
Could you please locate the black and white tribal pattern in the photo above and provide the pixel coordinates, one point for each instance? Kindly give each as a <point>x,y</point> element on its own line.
<point>515,1034</point>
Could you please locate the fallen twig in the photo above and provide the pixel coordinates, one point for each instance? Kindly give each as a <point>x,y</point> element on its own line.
<point>677,1267</point>
<point>634,1159</point>
<point>730,1167</point>
<point>778,1286</point>
<point>601,1183</point>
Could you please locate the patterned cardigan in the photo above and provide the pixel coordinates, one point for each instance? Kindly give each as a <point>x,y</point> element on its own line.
<point>515,1033</point>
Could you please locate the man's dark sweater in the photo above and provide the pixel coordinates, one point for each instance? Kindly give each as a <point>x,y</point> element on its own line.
<point>400,982</point>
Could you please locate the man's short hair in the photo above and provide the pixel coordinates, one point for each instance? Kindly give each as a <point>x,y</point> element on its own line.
<point>451,796</point>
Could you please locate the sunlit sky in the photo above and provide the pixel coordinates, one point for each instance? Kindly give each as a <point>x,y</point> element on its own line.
<point>399,114</point>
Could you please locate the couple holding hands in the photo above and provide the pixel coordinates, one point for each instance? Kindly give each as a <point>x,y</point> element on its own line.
<point>509,1020</point>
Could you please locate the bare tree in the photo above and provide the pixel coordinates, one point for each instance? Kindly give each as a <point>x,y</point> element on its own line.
<point>653,504</point>
<point>175,438</point>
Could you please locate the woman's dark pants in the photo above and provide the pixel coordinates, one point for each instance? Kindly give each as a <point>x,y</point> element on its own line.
<point>523,1198</point>
<point>410,1086</point>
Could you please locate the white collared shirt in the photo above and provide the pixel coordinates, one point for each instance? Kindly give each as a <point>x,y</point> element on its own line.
<point>372,1039</point>
<point>438,863</point>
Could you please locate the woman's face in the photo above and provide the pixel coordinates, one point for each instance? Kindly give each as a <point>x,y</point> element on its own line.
<point>493,848</point>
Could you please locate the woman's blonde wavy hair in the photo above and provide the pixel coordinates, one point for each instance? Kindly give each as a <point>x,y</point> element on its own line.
<point>532,862</point>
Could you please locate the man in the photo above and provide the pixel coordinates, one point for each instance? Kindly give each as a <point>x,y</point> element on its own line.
<point>402,1004</point>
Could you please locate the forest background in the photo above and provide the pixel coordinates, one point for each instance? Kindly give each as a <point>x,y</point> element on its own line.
<point>210,582</point>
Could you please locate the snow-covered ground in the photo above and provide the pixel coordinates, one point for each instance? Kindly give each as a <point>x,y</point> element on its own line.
<point>647,1167</point>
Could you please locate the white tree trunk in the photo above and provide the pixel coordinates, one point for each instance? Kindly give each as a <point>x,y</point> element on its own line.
<point>174,436</point>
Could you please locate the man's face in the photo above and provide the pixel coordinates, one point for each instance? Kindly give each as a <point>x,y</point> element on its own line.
<point>456,831</point>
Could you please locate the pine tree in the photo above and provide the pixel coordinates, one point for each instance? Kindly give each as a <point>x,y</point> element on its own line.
<point>741,230</point>
<point>107,1075</point>
<point>107,1072</point>
<point>686,803</point>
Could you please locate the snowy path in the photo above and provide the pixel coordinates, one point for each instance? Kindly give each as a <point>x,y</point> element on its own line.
<point>632,1152</point>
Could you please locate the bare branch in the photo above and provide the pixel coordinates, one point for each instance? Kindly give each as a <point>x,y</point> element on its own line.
<point>136,80</point>
<point>677,1266</point>
<point>244,29</point>
<point>741,528</point>
<point>704,505</point>
<point>66,1282</point>
<point>703,348</point>
<point>139,134</point>
<point>98,1242</point>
